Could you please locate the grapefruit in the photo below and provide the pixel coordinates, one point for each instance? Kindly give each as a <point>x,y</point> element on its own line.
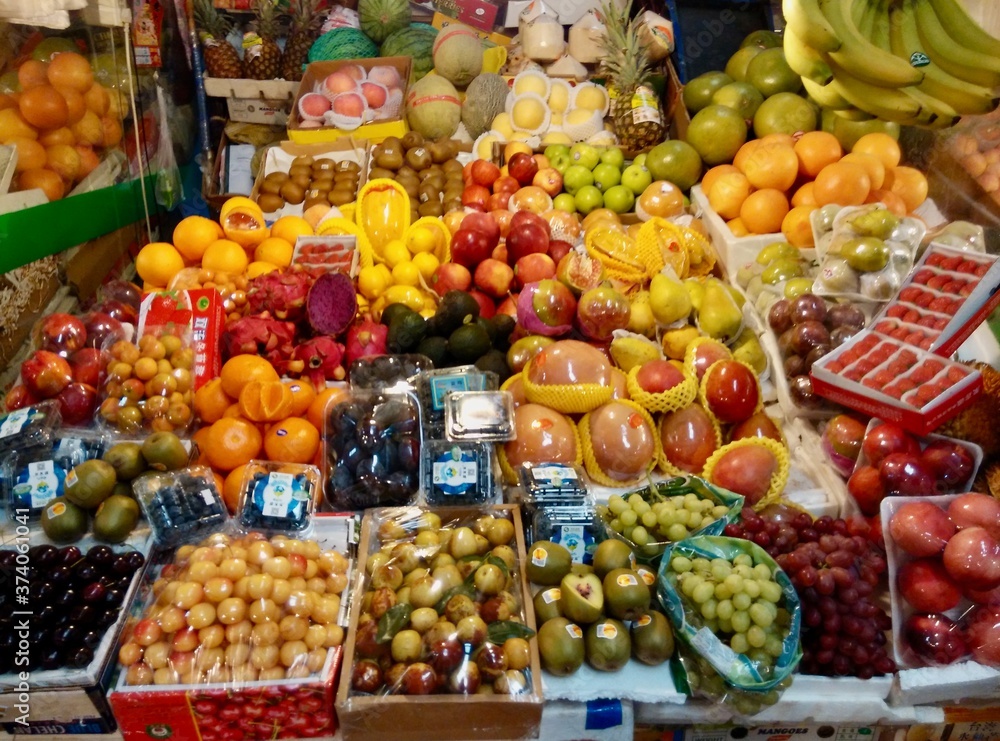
<point>717,133</point>
<point>675,161</point>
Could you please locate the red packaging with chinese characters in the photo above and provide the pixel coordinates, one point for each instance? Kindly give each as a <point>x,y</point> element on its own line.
<point>199,309</point>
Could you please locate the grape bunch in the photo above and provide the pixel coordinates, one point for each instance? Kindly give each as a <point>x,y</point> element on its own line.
<point>673,518</point>
<point>739,602</point>
<point>835,569</point>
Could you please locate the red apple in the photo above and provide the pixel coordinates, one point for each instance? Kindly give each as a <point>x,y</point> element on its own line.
<point>475,196</point>
<point>77,403</point>
<point>121,290</point>
<point>925,584</point>
<point>950,463</point>
<point>484,173</point>
<point>865,485</point>
<point>935,639</point>
<point>493,277</point>
<point>531,198</point>
<point>657,376</point>
<point>506,184</point>
<point>498,201</point>
<point>522,167</point>
<point>976,510</point>
<point>503,218</point>
<point>982,634</point>
<point>508,306</point>
<point>972,558</point>
<point>487,306</point>
<point>500,252</point>
<point>921,528</point>
<point>45,373</point>
<point>450,276</point>
<point>558,249</point>
<point>469,248</point>
<point>467,173</point>
<point>102,329</point>
<point>530,217</point>
<point>19,397</point>
<point>550,180</point>
<point>885,439</point>
<point>118,310</point>
<point>524,240</point>
<point>87,365</point>
<point>61,333</point>
<point>532,268</point>
<point>904,475</point>
<point>483,223</point>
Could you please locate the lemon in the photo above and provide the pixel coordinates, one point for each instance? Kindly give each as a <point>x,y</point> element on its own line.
<point>371,282</point>
<point>385,272</point>
<point>406,274</point>
<point>426,263</point>
<point>395,252</point>
<point>421,240</point>
<point>409,295</point>
<point>259,267</point>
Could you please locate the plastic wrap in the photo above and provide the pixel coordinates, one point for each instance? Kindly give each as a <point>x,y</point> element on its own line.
<point>29,427</point>
<point>460,472</point>
<point>181,506</point>
<point>279,498</point>
<point>386,371</point>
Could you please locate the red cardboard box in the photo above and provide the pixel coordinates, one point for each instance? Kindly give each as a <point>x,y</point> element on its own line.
<point>480,14</point>
<point>198,309</point>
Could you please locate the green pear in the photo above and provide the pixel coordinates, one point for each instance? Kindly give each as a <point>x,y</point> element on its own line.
<point>668,299</point>
<point>696,290</point>
<point>581,597</point>
<point>719,316</point>
<point>748,350</point>
<point>641,319</point>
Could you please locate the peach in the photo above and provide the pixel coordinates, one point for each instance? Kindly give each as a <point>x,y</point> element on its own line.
<point>313,105</point>
<point>339,82</point>
<point>351,105</point>
<point>354,71</point>
<point>375,94</point>
<point>383,75</point>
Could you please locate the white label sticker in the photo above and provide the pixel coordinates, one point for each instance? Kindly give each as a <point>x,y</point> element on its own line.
<point>206,494</point>
<point>277,494</point>
<point>627,580</point>
<point>455,473</point>
<point>551,595</point>
<point>607,630</point>
<point>14,422</point>
<point>539,556</point>
<point>43,482</point>
<point>574,630</point>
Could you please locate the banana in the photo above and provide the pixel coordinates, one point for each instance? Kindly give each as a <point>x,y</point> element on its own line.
<point>958,24</point>
<point>965,64</point>
<point>824,95</point>
<point>804,60</point>
<point>806,19</point>
<point>853,114</point>
<point>964,97</point>
<point>863,14</point>
<point>860,58</point>
<point>891,104</point>
<point>933,111</point>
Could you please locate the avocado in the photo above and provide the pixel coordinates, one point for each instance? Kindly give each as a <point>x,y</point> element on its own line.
<point>405,332</point>
<point>90,483</point>
<point>467,343</point>
<point>435,348</point>
<point>496,361</point>
<point>62,521</point>
<point>389,312</point>
<point>115,518</point>
<point>456,308</point>
<point>503,325</point>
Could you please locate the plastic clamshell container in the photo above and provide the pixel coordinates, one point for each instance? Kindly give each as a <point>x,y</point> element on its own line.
<point>29,426</point>
<point>388,371</point>
<point>433,387</point>
<point>479,415</point>
<point>278,498</point>
<point>458,472</point>
<point>181,506</point>
<point>555,483</point>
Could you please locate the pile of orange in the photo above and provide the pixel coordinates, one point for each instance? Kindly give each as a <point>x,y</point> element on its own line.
<point>776,182</point>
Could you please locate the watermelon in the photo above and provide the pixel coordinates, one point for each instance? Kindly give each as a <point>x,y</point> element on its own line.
<point>416,41</point>
<point>380,18</point>
<point>342,43</point>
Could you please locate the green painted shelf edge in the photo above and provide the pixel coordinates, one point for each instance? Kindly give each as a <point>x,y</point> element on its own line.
<point>33,233</point>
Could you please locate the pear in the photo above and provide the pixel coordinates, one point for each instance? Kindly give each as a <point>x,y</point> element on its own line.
<point>675,341</point>
<point>668,299</point>
<point>719,316</point>
<point>696,291</point>
<point>628,352</point>
<point>581,597</point>
<point>641,319</point>
<point>748,350</point>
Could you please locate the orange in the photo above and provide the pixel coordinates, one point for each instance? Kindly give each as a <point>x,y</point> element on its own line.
<point>764,210</point>
<point>804,196</point>
<point>220,482</point>
<point>239,370</point>
<point>231,443</point>
<point>744,153</point>
<point>238,202</point>
<point>797,228</point>
<point>843,183</point>
<point>893,202</point>
<point>112,132</point>
<point>89,129</point>
<point>43,107</point>
<point>98,99</point>
<point>42,177</point>
<point>158,262</point>
<point>193,235</point>
<point>728,193</point>
<point>32,73</point>
<point>265,401</point>
<point>872,164</point>
<point>709,178</point>
<point>258,268</point>
<point>317,409</point>
<point>774,166</point>
<point>75,103</point>
<point>291,228</point>
<point>225,256</point>
<point>88,160</point>
<point>882,146</point>
<point>737,227</point>
<point>909,184</point>
<point>72,70</point>
<point>199,439</point>
<point>62,135</point>
<point>303,395</point>
<point>275,250</point>
<point>210,401</point>
<point>232,488</point>
<point>30,154</point>
<point>12,124</point>
<point>233,411</point>
<point>816,150</point>
<point>292,441</point>
<point>64,160</point>
<point>777,139</point>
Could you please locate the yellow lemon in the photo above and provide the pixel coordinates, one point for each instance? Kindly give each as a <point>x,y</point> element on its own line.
<point>426,263</point>
<point>395,252</point>
<point>275,250</point>
<point>259,267</point>
<point>386,274</point>
<point>158,262</point>
<point>371,282</point>
<point>406,274</point>
<point>421,240</point>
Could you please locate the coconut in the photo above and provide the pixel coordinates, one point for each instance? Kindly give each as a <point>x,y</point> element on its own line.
<point>568,68</point>
<point>433,108</point>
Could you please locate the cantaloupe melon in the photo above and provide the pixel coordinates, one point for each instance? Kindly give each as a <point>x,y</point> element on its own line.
<point>484,99</point>
<point>458,55</point>
<point>433,108</point>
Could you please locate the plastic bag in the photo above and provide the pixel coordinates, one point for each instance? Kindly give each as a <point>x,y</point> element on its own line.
<point>169,190</point>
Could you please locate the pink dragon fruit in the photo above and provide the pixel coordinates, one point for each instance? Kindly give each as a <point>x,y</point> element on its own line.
<point>365,339</point>
<point>259,335</point>
<point>320,359</point>
<point>283,295</point>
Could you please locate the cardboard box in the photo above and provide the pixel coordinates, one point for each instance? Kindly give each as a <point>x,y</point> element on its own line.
<point>440,717</point>
<point>254,101</point>
<point>441,21</point>
<point>215,190</point>
<point>100,260</point>
<point>733,250</point>
<point>480,14</point>
<point>375,131</point>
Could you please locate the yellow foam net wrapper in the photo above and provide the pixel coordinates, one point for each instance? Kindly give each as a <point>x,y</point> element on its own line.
<point>702,389</point>
<point>443,251</point>
<point>617,252</point>
<point>690,350</point>
<point>666,401</point>
<point>383,213</point>
<point>590,462</point>
<point>664,463</point>
<point>577,398</point>
<point>778,479</point>
<point>338,226</point>
<point>510,475</point>
<point>660,245</point>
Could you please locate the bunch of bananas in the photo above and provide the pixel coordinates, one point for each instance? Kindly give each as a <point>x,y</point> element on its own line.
<point>915,62</point>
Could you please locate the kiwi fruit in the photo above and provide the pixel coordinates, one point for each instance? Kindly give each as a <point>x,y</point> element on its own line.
<point>324,165</point>
<point>413,139</point>
<point>431,208</point>
<point>292,192</point>
<point>339,196</point>
<point>302,180</point>
<point>306,160</point>
<point>381,172</point>
<point>270,202</point>
<point>352,168</point>
<point>418,158</point>
<point>452,166</point>
<point>300,170</point>
<point>390,159</point>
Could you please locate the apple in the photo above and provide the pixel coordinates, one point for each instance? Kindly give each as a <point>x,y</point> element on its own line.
<point>542,161</point>
<point>613,156</point>
<point>588,199</point>
<point>513,148</point>
<point>61,333</point>
<point>476,196</point>
<point>19,397</point>
<point>469,248</point>
<point>77,403</point>
<point>484,173</point>
<point>506,183</point>
<point>524,239</point>
<point>865,485</point>
<point>549,180</point>
<point>87,365</point>
<point>487,306</point>
<point>925,584</point>
<point>533,268</point>
<point>531,198</point>
<point>559,157</point>
<point>500,252</point>
<point>619,199</point>
<point>606,176</point>
<point>493,277</point>
<point>102,329</point>
<point>936,639</point>
<point>467,173</point>
<point>118,310</point>
<point>636,178</point>
<point>584,154</point>
<point>976,510</point>
<point>564,202</point>
<point>972,558</point>
<point>45,373</point>
<point>921,528</point>
<point>657,376</point>
<point>842,438</point>
<point>558,249</point>
<point>949,462</point>
<point>885,439</point>
<point>508,306</point>
<point>450,276</point>
<point>600,311</point>
<point>529,217</point>
<point>904,475</point>
<point>498,201</point>
<point>522,167</point>
<point>982,634</point>
<point>484,224</point>
<point>576,177</point>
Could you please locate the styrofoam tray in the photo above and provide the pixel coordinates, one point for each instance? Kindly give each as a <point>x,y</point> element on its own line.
<point>733,250</point>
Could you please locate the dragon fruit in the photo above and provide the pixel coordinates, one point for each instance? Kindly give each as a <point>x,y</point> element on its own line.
<point>365,339</point>
<point>283,295</point>
<point>259,335</point>
<point>320,359</point>
<point>331,304</point>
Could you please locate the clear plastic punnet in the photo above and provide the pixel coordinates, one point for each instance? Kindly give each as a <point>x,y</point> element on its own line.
<point>279,497</point>
<point>181,506</point>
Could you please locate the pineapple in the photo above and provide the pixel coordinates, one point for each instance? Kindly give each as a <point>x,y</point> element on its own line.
<point>636,111</point>
<point>221,57</point>
<point>261,53</point>
<point>306,22</point>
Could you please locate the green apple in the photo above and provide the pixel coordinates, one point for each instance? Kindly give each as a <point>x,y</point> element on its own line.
<point>576,177</point>
<point>585,154</point>
<point>606,176</point>
<point>564,202</point>
<point>619,199</point>
<point>613,156</point>
<point>636,178</point>
<point>559,158</point>
<point>588,198</point>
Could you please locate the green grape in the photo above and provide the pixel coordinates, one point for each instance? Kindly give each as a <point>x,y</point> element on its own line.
<point>712,624</point>
<point>682,516</point>
<point>702,565</point>
<point>690,584</point>
<point>761,615</point>
<point>692,501</point>
<point>746,705</point>
<point>774,646</point>
<point>719,510</point>
<point>725,624</point>
<point>743,559</point>
<point>720,571</point>
<point>752,588</point>
<point>783,618</point>
<point>680,564</point>
<point>703,592</point>
<point>743,570</point>
<point>641,507</point>
<point>695,521</point>
<point>640,536</point>
<point>722,591</point>
<point>770,697</point>
<point>634,499</point>
<point>627,531</point>
<point>762,572</point>
<point>770,591</point>
<point>740,619</point>
<point>677,532</point>
<point>739,643</point>
<point>657,508</point>
<point>616,504</point>
<point>724,609</point>
<point>760,656</point>
<point>649,519</point>
<point>735,583</point>
<point>651,549</point>
<point>677,501</point>
<point>709,609</point>
<point>756,636</point>
<point>628,517</point>
<point>616,525</point>
<point>742,601</point>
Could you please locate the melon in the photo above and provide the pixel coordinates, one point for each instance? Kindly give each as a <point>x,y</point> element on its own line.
<point>458,55</point>
<point>484,99</point>
<point>417,42</point>
<point>380,18</point>
<point>433,108</point>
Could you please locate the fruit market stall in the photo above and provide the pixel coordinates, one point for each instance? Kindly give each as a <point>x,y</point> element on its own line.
<point>523,392</point>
